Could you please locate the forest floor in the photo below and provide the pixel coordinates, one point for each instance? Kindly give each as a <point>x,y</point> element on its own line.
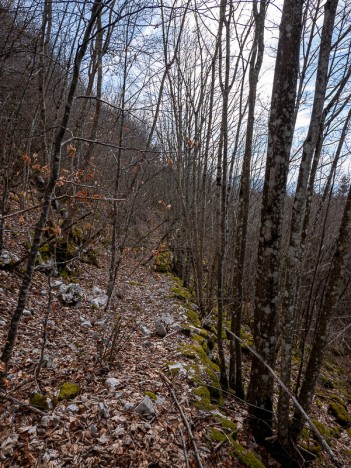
<point>100,426</point>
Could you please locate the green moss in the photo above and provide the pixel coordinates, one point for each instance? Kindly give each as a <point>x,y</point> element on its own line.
<point>173,370</point>
<point>305,435</point>
<point>68,275</point>
<point>134,283</point>
<point>246,456</point>
<point>176,279</point>
<point>201,341</point>
<point>204,399</point>
<point>328,433</point>
<point>318,403</point>
<point>337,399</point>
<point>326,382</point>
<point>215,393</point>
<point>340,413</point>
<point>197,352</point>
<point>247,337</point>
<point>163,261</point>
<point>193,318</point>
<point>151,395</point>
<point>182,294</point>
<point>39,401</point>
<point>216,435</point>
<point>68,391</point>
<point>77,235</point>
<point>228,426</point>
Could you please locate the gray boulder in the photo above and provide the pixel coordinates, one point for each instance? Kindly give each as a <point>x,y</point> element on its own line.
<point>7,257</point>
<point>160,328</point>
<point>145,408</point>
<point>144,330</point>
<point>71,295</point>
<point>103,410</point>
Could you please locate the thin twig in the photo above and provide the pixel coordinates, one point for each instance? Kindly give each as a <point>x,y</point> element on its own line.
<point>45,325</point>
<point>185,419</point>
<point>313,428</point>
<point>184,448</point>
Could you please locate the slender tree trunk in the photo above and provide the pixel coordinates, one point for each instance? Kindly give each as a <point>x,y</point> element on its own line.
<point>235,376</point>
<point>281,129</point>
<point>289,296</point>
<point>333,290</point>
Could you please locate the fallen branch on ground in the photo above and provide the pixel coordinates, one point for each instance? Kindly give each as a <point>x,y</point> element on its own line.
<point>21,403</point>
<point>185,419</point>
<point>313,428</point>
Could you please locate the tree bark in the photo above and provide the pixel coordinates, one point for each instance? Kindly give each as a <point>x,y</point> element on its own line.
<point>281,129</point>
<point>289,296</point>
<point>332,293</point>
<point>235,376</point>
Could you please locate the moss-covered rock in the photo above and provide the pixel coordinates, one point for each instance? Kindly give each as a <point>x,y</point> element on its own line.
<point>193,318</point>
<point>68,391</point>
<point>228,426</point>
<point>340,413</point>
<point>163,260</point>
<point>181,294</point>
<point>39,401</point>
<point>201,341</point>
<point>328,433</point>
<point>326,382</point>
<point>91,258</point>
<point>151,395</point>
<point>217,436</point>
<point>246,456</point>
<point>203,399</point>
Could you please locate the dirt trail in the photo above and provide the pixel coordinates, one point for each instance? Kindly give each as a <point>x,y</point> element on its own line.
<point>102,428</point>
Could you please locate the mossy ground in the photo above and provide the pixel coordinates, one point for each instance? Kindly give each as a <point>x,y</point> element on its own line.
<point>182,294</point>
<point>246,456</point>
<point>340,413</point>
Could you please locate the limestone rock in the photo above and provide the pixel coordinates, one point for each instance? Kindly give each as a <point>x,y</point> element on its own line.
<point>86,324</point>
<point>112,383</point>
<point>160,328</point>
<point>72,408</point>
<point>144,330</point>
<point>72,295</point>
<point>8,257</point>
<point>128,407</point>
<point>167,319</point>
<point>145,408</point>
<point>103,410</point>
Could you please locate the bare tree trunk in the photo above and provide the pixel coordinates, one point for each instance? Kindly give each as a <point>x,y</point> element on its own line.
<point>55,169</point>
<point>235,376</point>
<point>289,296</point>
<point>281,129</point>
<point>333,290</point>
